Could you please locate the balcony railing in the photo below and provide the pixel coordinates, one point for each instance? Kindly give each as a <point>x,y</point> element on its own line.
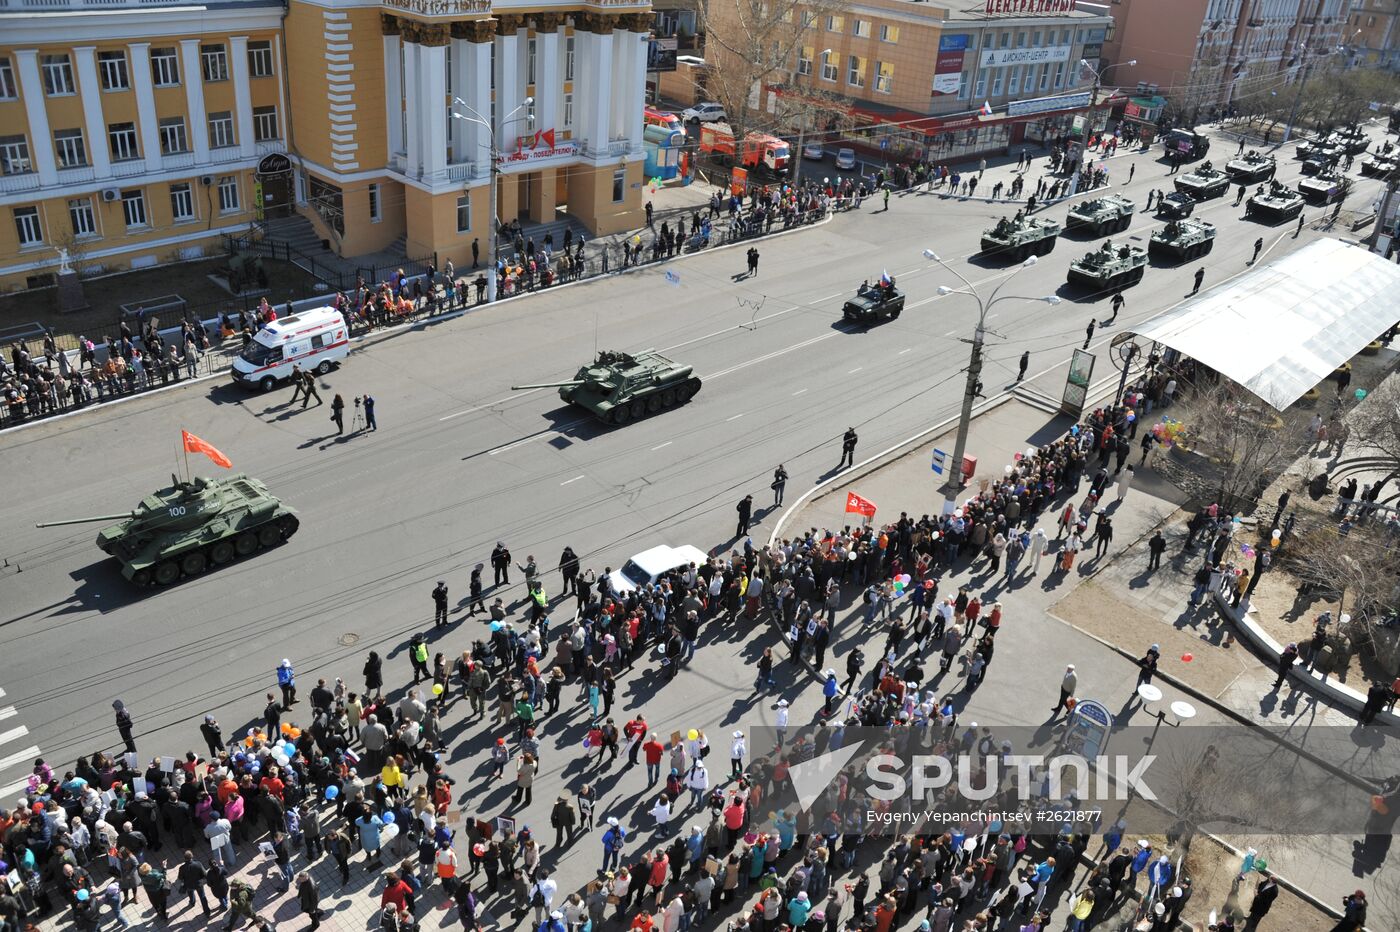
<point>58,5</point>
<point>25,181</point>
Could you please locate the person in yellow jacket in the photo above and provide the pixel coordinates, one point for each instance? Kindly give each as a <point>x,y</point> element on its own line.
<point>392,777</point>
<point>1080,910</point>
<point>539,602</point>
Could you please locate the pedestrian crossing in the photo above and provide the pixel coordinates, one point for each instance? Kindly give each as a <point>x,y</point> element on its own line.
<point>16,759</point>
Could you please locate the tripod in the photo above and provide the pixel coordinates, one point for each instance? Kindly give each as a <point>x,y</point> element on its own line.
<point>357,424</point>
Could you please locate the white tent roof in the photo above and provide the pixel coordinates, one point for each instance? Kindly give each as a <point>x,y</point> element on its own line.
<point>1282,328</point>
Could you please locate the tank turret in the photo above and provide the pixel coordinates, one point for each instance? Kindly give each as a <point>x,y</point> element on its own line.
<point>190,525</point>
<point>619,387</point>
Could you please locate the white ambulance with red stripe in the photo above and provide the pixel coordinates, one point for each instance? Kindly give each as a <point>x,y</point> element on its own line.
<point>315,339</point>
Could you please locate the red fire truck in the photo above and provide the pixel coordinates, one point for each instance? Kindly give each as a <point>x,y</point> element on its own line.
<point>760,149</point>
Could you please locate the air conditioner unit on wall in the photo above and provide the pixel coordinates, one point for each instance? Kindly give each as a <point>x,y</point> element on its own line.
<point>110,194</point>
<point>206,180</point>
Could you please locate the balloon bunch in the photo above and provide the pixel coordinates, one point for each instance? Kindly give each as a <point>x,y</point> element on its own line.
<point>1167,430</point>
<point>900,582</point>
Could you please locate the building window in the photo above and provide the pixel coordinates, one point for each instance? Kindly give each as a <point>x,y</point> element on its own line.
<point>855,71</point>
<point>860,28</point>
<point>68,144</point>
<point>1013,83</point>
<point>568,111</point>
<point>1035,37</point>
<point>221,129</point>
<point>828,66</point>
<point>14,155</point>
<point>213,62</point>
<point>804,59</point>
<point>374,210</point>
<point>27,225</point>
<point>181,202</point>
<point>569,58</point>
<point>530,47</point>
<point>260,59</point>
<point>172,136</point>
<point>619,185</point>
<point>112,67</point>
<point>835,23</point>
<point>997,81</point>
<point>265,124</point>
<point>80,215</point>
<point>963,82</point>
<point>121,138</point>
<point>8,91</point>
<point>1005,39</point>
<point>981,87</point>
<point>1044,77</point>
<point>165,67</point>
<point>58,75</point>
<point>884,77</point>
<point>464,213</point>
<point>228,194</point>
<point>889,33</point>
<point>134,208</point>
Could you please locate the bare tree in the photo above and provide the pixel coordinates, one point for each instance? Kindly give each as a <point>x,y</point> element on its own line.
<point>1375,425</point>
<point>1354,570</point>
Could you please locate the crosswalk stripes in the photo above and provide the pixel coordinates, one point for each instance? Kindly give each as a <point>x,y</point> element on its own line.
<point>14,763</point>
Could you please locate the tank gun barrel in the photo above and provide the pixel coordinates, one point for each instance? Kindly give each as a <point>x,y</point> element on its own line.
<point>120,517</point>
<point>569,382</point>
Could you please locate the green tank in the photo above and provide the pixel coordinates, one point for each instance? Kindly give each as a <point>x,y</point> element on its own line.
<point>1204,183</point>
<point>1326,186</point>
<point>620,387</point>
<point>1251,167</point>
<point>1109,267</point>
<point>1021,237</point>
<point>1275,205</point>
<point>188,526</point>
<point>1109,214</point>
<point>1183,239</point>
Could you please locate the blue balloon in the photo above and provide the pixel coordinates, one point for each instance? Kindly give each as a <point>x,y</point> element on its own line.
<point>332,792</point>
<point>495,626</point>
<point>81,896</point>
<point>388,818</point>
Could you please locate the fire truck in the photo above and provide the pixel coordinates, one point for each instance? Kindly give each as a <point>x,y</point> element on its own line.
<point>760,149</point>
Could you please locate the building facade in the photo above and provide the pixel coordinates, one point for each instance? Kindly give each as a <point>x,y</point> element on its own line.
<point>1204,56</point>
<point>1375,26</point>
<point>134,134</point>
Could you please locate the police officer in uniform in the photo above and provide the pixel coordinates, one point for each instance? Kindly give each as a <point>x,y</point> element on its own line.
<point>440,604</point>
<point>848,448</point>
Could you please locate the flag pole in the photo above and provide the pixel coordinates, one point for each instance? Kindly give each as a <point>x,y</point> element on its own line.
<point>187,456</point>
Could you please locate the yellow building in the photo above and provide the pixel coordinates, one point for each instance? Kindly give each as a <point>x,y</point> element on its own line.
<point>135,133</point>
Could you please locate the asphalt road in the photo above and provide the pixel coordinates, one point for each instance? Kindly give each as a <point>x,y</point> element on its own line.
<point>461,461</point>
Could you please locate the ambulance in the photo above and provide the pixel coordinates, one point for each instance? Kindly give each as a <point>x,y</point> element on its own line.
<point>315,339</point>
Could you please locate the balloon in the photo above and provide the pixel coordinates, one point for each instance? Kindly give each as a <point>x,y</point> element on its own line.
<point>1074,431</point>
<point>1360,394</point>
<point>495,626</point>
<point>928,583</point>
<point>852,555</point>
<point>252,732</point>
<point>295,733</point>
<point>437,689</point>
<point>332,792</point>
<point>289,747</point>
<point>1187,658</point>
<point>388,818</point>
<point>247,742</point>
<point>81,896</point>
<point>286,728</point>
<point>1246,550</point>
<point>1131,417</point>
<point>692,734</point>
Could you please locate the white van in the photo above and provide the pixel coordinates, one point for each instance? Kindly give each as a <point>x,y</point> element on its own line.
<point>648,566</point>
<point>315,339</point>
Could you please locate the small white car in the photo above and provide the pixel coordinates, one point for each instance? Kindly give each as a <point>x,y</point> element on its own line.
<point>846,158</point>
<point>813,151</point>
<point>648,566</point>
<point>708,112</point>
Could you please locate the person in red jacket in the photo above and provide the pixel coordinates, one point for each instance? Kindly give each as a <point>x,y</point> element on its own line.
<point>653,750</point>
<point>397,894</point>
<point>634,731</point>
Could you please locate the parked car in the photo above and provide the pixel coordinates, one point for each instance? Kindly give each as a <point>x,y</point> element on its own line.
<point>813,151</point>
<point>846,158</point>
<point>648,566</point>
<point>708,112</point>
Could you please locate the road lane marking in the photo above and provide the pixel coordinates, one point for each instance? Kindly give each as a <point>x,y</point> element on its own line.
<point>7,712</point>
<point>773,355</point>
<point>798,392</point>
<point>950,333</point>
<point>660,445</point>
<point>541,435</point>
<point>23,757</point>
<point>8,736</point>
<point>574,479</point>
<point>855,370</point>
<point>735,417</point>
<point>903,351</point>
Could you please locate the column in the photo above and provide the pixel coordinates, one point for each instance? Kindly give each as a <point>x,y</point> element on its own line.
<point>476,91</point>
<point>31,87</point>
<point>508,84</point>
<point>393,94</point>
<point>600,89</point>
<point>194,100</point>
<point>635,100</point>
<point>91,90</point>
<point>548,85</point>
<point>242,96</point>
<point>461,88</point>
<point>147,122</point>
<point>413,108</point>
<point>621,74</point>
<point>432,64</point>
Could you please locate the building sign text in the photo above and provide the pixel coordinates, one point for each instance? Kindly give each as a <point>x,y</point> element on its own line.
<point>1032,7</point>
<point>439,7</point>
<point>1000,58</point>
<point>1045,104</point>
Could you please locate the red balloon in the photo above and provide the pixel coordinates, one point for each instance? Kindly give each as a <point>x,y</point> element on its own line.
<point>1187,658</point>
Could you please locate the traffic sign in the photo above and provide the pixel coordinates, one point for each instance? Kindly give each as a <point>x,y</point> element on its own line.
<point>940,460</point>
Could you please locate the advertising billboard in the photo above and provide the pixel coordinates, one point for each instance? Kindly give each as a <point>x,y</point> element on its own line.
<point>947,71</point>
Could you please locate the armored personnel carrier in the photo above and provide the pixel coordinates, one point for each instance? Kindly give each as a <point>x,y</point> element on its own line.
<point>1251,167</point>
<point>1275,205</point>
<point>620,387</point>
<point>1325,187</point>
<point>1108,214</point>
<point>1380,163</point>
<point>1183,239</point>
<point>1319,163</point>
<point>189,526</point>
<point>1109,267</point>
<point>1352,140</point>
<point>1318,148</point>
<point>1204,183</point>
<point>1021,237</point>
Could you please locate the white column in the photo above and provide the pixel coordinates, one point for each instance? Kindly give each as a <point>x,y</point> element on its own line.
<point>548,85</point>
<point>413,109</point>
<point>461,87</point>
<point>621,77</point>
<point>600,89</point>
<point>634,100</point>
<point>432,63</point>
<point>147,122</point>
<point>194,100</point>
<point>393,94</point>
<point>476,91</point>
<point>242,96</point>
<point>90,88</point>
<point>31,87</point>
<point>508,90</point>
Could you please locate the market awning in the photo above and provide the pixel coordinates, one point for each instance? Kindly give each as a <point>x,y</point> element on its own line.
<point>1282,328</point>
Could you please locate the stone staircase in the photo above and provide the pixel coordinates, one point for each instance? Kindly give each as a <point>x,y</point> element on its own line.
<point>296,231</point>
<point>538,231</point>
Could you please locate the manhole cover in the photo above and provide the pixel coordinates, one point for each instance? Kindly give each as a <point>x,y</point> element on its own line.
<point>349,639</point>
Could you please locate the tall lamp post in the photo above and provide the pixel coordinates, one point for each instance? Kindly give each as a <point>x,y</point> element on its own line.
<point>493,233</point>
<point>1099,73</point>
<point>953,485</point>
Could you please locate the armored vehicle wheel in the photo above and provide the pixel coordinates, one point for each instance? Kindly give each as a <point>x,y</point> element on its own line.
<point>1020,253</point>
<point>141,577</point>
<point>288,525</point>
<point>653,404</point>
<point>324,368</point>
<point>167,573</point>
<point>1125,221</point>
<point>192,564</point>
<point>221,553</point>
<point>245,543</point>
<point>1136,274</point>
<point>639,408</point>
<point>269,535</point>
<point>668,398</point>
<point>620,415</point>
<point>1207,246</point>
<point>688,389</point>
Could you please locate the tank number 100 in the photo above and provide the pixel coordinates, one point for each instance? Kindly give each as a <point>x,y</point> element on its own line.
<point>177,510</point>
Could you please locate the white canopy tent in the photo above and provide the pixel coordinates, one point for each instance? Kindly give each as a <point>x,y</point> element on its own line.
<point>1282,328</point>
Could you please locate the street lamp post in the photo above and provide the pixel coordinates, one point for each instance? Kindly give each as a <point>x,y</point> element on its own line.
<point>953,485</point>
<point>1099,73</point>
<point>495,169</point>
<point>802,130</point>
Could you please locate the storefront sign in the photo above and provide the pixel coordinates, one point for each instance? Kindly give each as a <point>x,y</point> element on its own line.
<point>439,7</point>
<point>998,58</point>
<point>1029,7</point>
<point>661,54</point>
<point>274,163</point>
<point>1046,104</point>
<point>1091,50</point>
<point>1081,370</point>
<point>534,154</point>
<point>947,72</point>
<point>1132,110</point>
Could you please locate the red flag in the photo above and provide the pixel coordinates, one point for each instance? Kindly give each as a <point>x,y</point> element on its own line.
<point>861,506</point>
<point>194,445</point>
<point>547,136</point>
